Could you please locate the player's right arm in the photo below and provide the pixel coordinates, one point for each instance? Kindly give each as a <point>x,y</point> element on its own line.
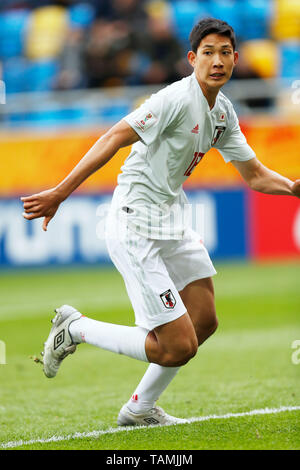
<point>46,203</point>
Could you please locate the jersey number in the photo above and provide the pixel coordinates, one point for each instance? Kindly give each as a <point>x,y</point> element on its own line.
<point>197,158</point>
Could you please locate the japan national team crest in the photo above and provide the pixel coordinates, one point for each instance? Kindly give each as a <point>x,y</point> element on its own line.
<point>219,131</point>
<point>168,299</point>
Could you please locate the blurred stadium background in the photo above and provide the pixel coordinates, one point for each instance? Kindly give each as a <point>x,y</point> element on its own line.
<point>72,68</point>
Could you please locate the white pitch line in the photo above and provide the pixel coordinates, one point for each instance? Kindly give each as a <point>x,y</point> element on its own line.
<point>96,434</point>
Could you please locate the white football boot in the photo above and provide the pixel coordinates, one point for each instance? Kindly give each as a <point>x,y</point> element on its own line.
<point>155,416</point>
<point>59,343</point>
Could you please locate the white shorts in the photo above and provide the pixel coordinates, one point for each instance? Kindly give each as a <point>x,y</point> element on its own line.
<point>155,271</point>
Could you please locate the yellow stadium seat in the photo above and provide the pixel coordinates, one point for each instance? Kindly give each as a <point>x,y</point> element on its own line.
<point>286,20</point>
<point>46,32</point>
<point>263,56</point>
<point>158,9</point>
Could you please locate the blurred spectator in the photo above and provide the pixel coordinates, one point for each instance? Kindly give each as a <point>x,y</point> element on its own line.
<point>31,4</point>
<point>72,67</point>
<point>10,4</point>
<point>166,58</point>
<point>113,42</point>
<point>95,43</point>
<point>72,73</point>
<point>131,12</point>
<point>107,53</point>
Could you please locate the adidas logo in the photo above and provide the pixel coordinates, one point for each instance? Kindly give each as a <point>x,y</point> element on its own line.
<point>196,129</point>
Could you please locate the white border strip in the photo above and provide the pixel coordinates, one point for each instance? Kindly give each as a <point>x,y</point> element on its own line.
<point>96,434</point>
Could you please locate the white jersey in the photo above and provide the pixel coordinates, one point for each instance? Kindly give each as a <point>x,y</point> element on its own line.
<point>176,129</point>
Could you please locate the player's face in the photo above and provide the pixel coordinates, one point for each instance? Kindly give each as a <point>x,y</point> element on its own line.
<point>214,61</point>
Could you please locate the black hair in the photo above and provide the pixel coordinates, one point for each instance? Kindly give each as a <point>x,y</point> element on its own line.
<point>208,26</point>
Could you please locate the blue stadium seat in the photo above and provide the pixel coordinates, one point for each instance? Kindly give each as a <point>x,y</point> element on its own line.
<point>256,14</point>
<point>15,74</point>
<point>115,112</point>
<point>51,117</point>
<point>81,15</point>
<point>289,59</point>
<point>12,29</point>
<point>185,14</point>
<point>41,75</point>
<point>21,75</point>
<point>230,11</point>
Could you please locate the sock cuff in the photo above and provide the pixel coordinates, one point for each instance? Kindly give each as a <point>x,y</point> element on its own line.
<point>140,344</point>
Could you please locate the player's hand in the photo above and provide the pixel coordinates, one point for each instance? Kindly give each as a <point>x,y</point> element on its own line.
<point>44,204</point>
<point>296,188</point>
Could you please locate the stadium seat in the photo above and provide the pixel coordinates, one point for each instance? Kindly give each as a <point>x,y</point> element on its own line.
<point>21,75</point>
<point>50,117</point>
<point>263,56</point>
<point>81,15</point>
<point>290,59</point>
<point>257,14</point>
<point>185,14</point>
<point>12,28</point>
<point>286,20</point>
<point>46,32</point>
<point>15,74</point>
<point>41,75</point>
<point>115,112</point>
<point>228,10</point>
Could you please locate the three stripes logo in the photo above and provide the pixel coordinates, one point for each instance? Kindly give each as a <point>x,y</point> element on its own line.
<point>59,339</point>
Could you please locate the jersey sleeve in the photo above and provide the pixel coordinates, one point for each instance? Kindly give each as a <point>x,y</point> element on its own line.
<point>153,117</point>
<point>234,145</point>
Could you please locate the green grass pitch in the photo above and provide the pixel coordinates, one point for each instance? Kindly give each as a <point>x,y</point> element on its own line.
<point>246,365</point>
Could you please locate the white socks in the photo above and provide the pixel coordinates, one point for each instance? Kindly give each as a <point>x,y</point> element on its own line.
<point>127,340</point>
<point>154,382</point>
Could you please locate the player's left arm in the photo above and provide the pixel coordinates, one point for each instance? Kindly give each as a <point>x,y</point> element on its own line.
<point>262,179</point>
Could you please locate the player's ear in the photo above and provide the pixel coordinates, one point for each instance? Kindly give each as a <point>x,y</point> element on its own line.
<point>236,57</point>
<point>191,56</point>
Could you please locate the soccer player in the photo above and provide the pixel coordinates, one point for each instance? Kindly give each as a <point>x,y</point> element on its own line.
<point>165,266</point>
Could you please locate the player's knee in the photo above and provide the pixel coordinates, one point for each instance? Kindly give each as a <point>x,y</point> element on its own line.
<point>205,328</point>
<point>210,324</point>
<point>213,325</point>
<point>188,351</point>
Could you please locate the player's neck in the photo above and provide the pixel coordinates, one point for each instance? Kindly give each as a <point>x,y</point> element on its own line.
<point>210,94</point>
